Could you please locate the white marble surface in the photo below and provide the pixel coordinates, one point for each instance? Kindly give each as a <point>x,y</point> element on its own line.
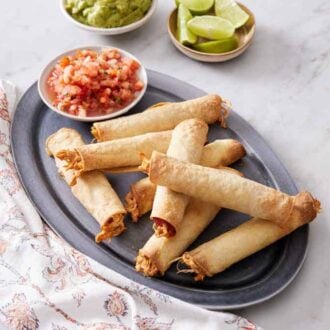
<point>281,86</point>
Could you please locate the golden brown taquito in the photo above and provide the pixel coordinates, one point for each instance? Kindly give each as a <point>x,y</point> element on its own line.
<point>140,198</point>
<point>233,246</point>
<point>93,189</point>
<point>158,253</point>
<point>164,117</point>
<point>114,154</point>
<point>188,139</point>
<point>230,191</point>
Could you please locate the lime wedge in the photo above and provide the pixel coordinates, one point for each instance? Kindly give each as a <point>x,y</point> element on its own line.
<point>217,46</point>
<point>211,27</point>
<point>185,36</point>
<point>231,11</point>
<point>197,6</point>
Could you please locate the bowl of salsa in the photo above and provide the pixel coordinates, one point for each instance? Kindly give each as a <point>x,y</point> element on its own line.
<point>108,17</point>
<point>93,83</point>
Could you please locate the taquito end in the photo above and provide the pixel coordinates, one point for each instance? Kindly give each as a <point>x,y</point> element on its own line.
<point>145,164</point>
<point>224,112</point>
<point>305,210</point>
<point>194,267</point>
<point>96,133</point>
<point>162,228</point>
<point>73,159</point>
<point>62,138</point>
<point>47,145</point>
<point>307,205</point>
<point>132,207</point>
<point>74,162</point>
<point>140,198</point>
<point>317,206</point>
<point>112,227</point>
<point>237,152</point>
<point>146,266</point>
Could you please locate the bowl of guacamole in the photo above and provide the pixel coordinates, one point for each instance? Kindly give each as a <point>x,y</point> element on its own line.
<point>108,16</point>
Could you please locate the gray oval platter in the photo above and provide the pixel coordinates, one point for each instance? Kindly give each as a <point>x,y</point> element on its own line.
<point>251,281</point>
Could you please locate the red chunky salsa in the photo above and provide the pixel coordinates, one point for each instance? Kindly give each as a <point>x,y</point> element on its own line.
<point>91,83</point>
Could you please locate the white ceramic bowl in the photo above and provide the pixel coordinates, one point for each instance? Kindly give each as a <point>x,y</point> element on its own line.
<point>110,31</point>
<point>42,85</point>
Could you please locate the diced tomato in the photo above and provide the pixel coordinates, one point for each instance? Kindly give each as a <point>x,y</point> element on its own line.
<point>125,95</point>
<point>138,86</point>
<point>135,65</point>
<point>126,85</point>
<point>64,61</point>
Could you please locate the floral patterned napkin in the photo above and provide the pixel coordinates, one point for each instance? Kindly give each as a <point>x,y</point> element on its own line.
<point>46,284</point>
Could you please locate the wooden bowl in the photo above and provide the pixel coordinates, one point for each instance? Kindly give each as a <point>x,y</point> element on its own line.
<point>244,34</point>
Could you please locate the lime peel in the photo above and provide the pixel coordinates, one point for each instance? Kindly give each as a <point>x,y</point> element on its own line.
<point>217,46</point>
<point>230,10</point>
<point>211,27</point>
<point>197,7</point>
<point>184,35</point>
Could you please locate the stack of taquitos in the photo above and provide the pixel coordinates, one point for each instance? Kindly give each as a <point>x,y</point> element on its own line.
<point>186,143</point>
<point>178,217</point>
<point>216,154</point>
<point>284,214</point>
<point>140,133</point>
<point>130,137</point>
<point>158,253</point>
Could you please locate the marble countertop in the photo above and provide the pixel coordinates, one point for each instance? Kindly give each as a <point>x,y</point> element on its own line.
<point>281,85</point>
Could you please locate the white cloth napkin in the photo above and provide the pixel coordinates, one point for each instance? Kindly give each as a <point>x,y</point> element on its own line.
<point>46,284</point>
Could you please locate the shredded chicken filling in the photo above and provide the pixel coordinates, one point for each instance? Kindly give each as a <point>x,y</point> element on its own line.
<point>145,265</point>
<point>132,207</point>
<point>113,227</point>
<point>194,267</point>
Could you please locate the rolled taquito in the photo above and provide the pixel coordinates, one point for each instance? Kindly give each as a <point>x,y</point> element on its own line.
<point>233,246</point>
<point>164,117</point>
<point>140,198</point>
<point>158,253</point>
<point>113,154</point>
<point>188,139</point>
<point>92,189</point>
<point>230,191</point>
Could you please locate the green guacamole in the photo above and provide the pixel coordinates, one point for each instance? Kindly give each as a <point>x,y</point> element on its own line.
<point>107,13</point>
